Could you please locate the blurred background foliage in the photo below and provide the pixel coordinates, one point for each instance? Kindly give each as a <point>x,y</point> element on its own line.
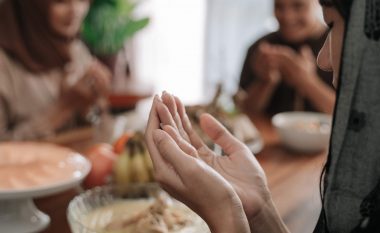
<point>109,24</point>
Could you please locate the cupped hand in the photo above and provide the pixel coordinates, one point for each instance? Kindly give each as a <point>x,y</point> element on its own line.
<point>87,90</point>
<point>100,76</point>
<point>191,180</point>
<point>264,64</point>
<point>239,167</point>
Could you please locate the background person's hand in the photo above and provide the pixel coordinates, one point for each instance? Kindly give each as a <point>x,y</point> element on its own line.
<point>239,167</point>
<point>192,181</point>
<point>297,70</point>
<point>265,65</point>
<point>87,90</point>
<point>101,77</point>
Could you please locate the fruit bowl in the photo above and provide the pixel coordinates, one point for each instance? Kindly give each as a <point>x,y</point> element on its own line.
<point>114,209</point>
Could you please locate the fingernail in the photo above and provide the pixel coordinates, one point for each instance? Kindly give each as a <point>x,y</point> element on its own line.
<point>162,125</point>
<point>157,98</point>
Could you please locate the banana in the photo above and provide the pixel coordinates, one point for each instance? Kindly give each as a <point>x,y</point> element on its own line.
<point>147,160</point>
<point>149,164</point>
<point>123,169</point>
<point>134,164</point>
<point>140,171</point>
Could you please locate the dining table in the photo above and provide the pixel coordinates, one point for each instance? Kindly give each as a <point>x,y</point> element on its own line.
<point>293,180</point>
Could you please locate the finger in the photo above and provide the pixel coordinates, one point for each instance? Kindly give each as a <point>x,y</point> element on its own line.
<point>167,176</point>
<point>263,47</point>
<point>285,58</point>
<point>86,88</point>
<point>172,154</point>
<point>280,49</point>
<point>194,138</point>
<point>170,102</point>
<point>103,78</point>
<point>259,54</point>
<point>182,143</point>
<point>164,115</point>
<point>203,151</point>
<point>153,124</point>
<point>163,172</point>
<point>220,135</point>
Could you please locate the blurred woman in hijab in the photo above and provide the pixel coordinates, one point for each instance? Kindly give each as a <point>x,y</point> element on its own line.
<point>48,79</point>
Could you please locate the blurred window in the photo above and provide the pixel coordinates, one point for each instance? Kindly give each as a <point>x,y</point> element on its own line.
<point>169,52</point>
<point>191,45</point>
<point>232,26</point>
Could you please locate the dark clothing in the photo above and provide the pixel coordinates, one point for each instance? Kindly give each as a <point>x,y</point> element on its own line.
<point>351,194</point>
<point>284,96</point>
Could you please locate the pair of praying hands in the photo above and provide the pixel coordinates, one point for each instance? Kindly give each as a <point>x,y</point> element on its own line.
<point>226,191</point>
<point>272,63</point>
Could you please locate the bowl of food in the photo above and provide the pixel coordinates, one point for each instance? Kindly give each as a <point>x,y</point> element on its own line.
<point>303,131</point>
<point>138,208</point>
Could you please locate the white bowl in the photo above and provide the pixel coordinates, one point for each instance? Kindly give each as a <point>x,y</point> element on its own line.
<point>303,131</point>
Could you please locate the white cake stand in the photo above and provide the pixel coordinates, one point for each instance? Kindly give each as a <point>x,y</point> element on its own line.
<point>17,210</point>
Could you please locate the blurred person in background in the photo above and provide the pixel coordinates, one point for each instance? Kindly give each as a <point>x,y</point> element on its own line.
<point>49,82</point>
<point>279,72</point>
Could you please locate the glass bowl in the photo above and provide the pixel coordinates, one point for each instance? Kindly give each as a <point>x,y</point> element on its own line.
<point>95,209</point>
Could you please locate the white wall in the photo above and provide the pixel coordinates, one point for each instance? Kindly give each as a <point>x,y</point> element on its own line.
<point>170,50</point>
<point>232,26</point>
<point>191,45</point>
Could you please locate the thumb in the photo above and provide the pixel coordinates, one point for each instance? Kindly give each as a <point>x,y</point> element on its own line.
<point>219,134</point>
<point>170,151</point>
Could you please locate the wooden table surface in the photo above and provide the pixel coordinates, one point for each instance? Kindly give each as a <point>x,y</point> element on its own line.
<point>293,180</point>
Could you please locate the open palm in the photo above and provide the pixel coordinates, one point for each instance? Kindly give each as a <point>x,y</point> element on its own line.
<point>239,167</point>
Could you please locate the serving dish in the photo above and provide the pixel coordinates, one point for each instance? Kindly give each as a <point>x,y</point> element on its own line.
<point>29,170</point>
<point>139,208</point>
<point>303,131</point>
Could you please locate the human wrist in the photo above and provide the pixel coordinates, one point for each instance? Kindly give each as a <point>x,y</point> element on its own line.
<point>267,220</point>
<point>230,218</point>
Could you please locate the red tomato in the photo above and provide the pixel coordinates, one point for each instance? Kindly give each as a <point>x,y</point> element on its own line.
<point>102,159</point>
<point>119,145</point>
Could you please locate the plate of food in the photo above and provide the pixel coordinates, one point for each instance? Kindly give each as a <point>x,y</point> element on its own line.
<point>29,170</point>
<point>139,208</point>
<point>33,169</point>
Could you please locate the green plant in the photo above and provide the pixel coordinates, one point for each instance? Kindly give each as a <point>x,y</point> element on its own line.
<point>109,24</point>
